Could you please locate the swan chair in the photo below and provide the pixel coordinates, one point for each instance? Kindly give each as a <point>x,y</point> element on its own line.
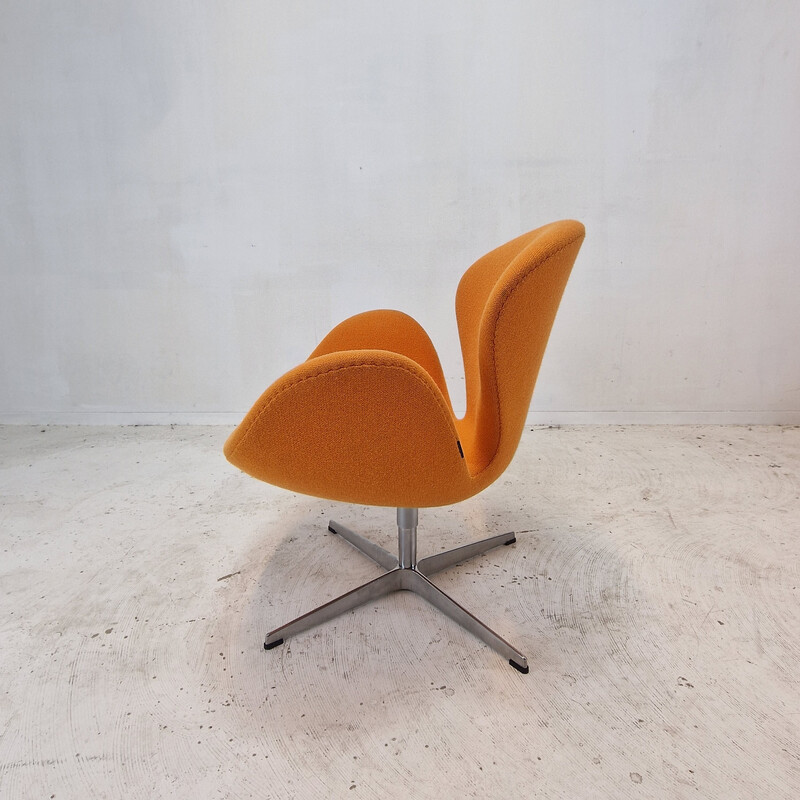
<point>367,418</point>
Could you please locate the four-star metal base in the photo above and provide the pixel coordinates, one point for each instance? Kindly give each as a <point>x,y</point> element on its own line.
<point>406,573</point>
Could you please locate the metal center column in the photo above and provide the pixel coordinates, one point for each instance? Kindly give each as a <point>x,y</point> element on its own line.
<point>407,537</point>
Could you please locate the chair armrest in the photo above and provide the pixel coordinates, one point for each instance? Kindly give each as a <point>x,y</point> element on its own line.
<point>384,329</point>
<point>363,426</point>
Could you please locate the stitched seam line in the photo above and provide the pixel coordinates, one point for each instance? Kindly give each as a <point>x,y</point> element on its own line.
<point>285,389</point>
<point>511,291</point>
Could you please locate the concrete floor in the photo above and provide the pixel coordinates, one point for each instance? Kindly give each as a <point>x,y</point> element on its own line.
<point>654,587</point>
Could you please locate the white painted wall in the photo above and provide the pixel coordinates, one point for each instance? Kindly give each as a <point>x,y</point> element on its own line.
<point>192,194</point>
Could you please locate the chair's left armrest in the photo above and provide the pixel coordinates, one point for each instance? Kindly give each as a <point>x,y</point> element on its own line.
<point>363,426</point>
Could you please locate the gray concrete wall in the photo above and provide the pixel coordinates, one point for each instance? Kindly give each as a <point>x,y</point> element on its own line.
<point>194,193</point>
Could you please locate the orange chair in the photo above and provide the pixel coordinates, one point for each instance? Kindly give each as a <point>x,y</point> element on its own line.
<point>367,418</point>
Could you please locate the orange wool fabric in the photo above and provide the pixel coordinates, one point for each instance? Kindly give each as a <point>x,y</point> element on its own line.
<point>367,418</point>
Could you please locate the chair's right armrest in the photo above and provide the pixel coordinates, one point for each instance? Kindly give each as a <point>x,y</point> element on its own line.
<point>385,329</point>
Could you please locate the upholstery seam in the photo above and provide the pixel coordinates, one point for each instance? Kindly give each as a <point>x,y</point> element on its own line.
<point>510,293</point>
<point>416,377</point>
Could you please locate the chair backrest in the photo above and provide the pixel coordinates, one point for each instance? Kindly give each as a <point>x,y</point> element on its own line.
<point>505,305</point>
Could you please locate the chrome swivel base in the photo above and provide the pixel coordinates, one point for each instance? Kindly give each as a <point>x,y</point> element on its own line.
<point>406,573</point>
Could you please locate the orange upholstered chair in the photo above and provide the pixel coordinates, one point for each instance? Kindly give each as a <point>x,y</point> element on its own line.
<point>367,418</point>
